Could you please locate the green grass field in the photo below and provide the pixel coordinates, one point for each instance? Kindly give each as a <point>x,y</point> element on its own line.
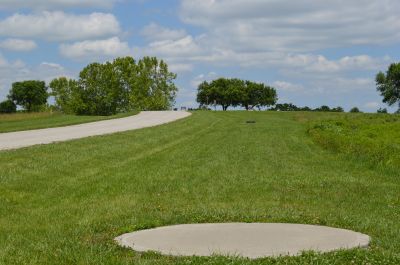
<point>64,203</point>
<point>40,120</point>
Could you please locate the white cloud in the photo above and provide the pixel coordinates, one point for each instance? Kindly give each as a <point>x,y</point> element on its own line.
<point>52,65</point>
<point>59,26</point>
<point>55,4</point>
<point>11,72</point>
<point>372,105</point>
<point>303,25</point>
<point>18,45</point>
<point>96,49</point>
<point>186,46</point>
<point>155,32</point>
<point>203,77</point>
<point>287,86</point>
<point>180,67</point>
<point>320,64</point>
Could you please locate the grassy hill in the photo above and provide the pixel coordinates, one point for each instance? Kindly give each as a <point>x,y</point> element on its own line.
<point>64,203</point>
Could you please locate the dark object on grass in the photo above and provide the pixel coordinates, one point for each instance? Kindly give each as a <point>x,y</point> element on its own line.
<point>250,121</point>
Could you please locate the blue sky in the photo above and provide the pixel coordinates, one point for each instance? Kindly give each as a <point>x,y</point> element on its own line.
<point>314,53</point>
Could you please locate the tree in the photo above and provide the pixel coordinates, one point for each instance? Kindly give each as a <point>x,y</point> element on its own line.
<point>267,96</point>
<point>222,91</point>
<point>118,86</point>
<point>31,95</point>
<point>337,109</point>
<point>204,95</point>
<point>382,110</point>
<point>66,94</point>
<point>8,106</point>
<point>306,108</point>
<point>154,88</point>
<point>258,95</point>
<point>97,90</point>
<point>354,110</point>
<point>286,107</point>
<point>126,74</point>
<point>235,92</point>
<point>323,108</point>
<point>389,84</point>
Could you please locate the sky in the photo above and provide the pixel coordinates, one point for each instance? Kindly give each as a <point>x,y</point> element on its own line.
<point>313,52</point>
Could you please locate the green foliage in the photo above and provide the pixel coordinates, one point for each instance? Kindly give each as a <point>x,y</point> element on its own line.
<point>355,110</point>
<point>31,95</point>
<point>155,89</point>
<point>323,108</point>
<point>375,137</point>
<point>235,92</point>
<point>382,110</point>
<point>292,107</point>
<point>8,106</point>
<point>389,84</point>
<point>66,94</point>
<point>98,90</point>
<point>337,109</point>
<point>285,107</point>
<point>119,86</point>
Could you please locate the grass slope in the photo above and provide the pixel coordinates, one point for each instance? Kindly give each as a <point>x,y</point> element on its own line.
<point>64,203</point>
<point>40,120</point>
<point>368,136</point>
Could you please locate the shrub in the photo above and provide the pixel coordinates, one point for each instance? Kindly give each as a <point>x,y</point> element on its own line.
<point>8,106</point>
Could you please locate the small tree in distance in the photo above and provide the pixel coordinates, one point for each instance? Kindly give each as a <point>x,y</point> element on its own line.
<point>389,84</point>
<point>380,110</point>
<point>235,92</point>
<point>355,110</point>
<point>31,95</point>
<point>8,106</point>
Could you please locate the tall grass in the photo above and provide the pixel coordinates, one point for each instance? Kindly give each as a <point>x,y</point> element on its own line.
<point>375,137</point>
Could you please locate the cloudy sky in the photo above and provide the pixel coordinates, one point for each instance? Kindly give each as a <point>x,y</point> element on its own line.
<point>313,52</point>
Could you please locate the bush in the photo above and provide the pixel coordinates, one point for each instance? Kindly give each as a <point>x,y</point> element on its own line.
<point>355,110</point>
<point>8,106</point>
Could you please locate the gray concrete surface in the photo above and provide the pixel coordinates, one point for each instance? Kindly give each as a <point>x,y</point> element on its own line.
<point>238,239</point>
<point>145,119</point>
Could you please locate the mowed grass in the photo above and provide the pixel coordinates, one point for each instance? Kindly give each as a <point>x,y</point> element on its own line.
<point>64,203</point>
<point>40,120</point>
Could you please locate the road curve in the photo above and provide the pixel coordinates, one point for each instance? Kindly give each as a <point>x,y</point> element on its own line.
<point>15,140</point>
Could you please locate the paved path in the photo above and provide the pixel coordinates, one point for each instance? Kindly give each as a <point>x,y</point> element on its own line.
<point>238,239</point>
<point>144,119</point>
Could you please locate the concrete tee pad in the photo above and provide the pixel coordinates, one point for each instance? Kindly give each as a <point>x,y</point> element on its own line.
<point>255,240</point>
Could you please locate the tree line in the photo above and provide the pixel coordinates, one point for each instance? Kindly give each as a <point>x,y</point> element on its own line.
<point>124,84</point>
<point>235,92</point>
<point>102,89</point>
<point>323,108</point>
